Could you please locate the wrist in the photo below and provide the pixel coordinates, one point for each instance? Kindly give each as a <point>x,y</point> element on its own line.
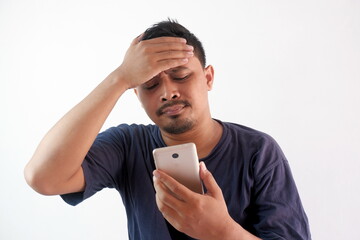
<point>234,231</point>
<point>118,80</point>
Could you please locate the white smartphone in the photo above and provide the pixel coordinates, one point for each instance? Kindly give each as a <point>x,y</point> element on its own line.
<point>180,162</point>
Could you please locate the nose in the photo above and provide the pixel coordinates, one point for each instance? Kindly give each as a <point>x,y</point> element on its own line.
<point>169,89</point>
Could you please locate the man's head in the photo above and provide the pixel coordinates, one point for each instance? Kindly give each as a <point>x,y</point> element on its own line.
<point>171,28</point>
<point>176,99</point>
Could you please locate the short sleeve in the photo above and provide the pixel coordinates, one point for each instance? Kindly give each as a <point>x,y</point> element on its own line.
<point>280,214</point>
<point>102,166</point>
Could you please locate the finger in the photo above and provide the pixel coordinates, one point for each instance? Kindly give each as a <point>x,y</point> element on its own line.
<point>170,46</point>
<point>173,216</point>
<point>166,64</point>
<point>174,186</point>
<point>167,211</point>
<point>212,187</point>
<point>170,63</point>
<point>165,40</point>
<point>165,193</point>
<point>170,55</point>
<point>169,205</point>
<point>161,57</point>
<point>137,39</point>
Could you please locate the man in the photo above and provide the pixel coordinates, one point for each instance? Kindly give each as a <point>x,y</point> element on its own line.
<point>250,193</point>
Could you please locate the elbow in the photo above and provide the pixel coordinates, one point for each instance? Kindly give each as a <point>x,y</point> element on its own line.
<point>36,181</point>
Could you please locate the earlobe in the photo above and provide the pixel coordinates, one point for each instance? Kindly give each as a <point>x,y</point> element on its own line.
<point>209,74</point>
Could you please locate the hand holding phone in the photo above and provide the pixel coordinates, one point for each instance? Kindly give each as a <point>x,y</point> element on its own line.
<point>181,163</point>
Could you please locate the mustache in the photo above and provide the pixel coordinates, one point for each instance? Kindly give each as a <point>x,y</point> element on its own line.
<point>160,111</point>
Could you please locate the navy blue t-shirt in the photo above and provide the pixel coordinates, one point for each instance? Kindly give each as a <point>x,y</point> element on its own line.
<point>248,165</point>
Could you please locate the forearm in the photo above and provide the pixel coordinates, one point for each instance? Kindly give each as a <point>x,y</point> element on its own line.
<point>61,152</point>
<point>56,165</point>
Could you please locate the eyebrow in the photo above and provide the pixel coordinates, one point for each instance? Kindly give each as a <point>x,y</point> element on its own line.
<point>176,69</point>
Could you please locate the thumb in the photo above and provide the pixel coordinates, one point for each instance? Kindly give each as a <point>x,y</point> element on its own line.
<point>211,186</point>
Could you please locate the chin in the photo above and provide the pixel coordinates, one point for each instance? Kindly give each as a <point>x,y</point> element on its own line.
<point>178,126</point>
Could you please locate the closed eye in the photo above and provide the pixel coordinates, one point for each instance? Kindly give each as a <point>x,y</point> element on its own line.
<point>151,86</point>
<point>181,78</point>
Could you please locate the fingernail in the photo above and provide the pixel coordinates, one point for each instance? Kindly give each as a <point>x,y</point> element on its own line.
<point>156,174</point>
<point>189,47</point>
<point>204,169</point>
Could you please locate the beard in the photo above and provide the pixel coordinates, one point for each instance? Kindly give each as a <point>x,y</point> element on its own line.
<point>178,126</point>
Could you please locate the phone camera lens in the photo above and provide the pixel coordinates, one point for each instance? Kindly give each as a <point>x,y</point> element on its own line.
<point>175,155</point>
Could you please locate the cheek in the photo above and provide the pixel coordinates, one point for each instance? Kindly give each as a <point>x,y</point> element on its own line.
<point>199,90</point>
<point>148,104</point>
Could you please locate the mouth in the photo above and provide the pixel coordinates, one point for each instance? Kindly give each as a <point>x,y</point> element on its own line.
<point>172,108</point>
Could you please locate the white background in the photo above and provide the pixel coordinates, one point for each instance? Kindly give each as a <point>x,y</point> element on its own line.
<point>288,68</point>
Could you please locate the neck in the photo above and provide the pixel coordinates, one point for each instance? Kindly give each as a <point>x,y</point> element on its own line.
<point>205,136</point>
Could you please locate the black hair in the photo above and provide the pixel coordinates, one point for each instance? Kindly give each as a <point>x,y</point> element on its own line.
<point>171,28</point>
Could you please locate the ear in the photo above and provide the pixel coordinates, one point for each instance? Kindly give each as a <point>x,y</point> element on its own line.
<point>209,74</point>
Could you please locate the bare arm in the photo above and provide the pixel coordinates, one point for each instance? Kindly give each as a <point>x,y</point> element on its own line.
<point>55,167</point>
